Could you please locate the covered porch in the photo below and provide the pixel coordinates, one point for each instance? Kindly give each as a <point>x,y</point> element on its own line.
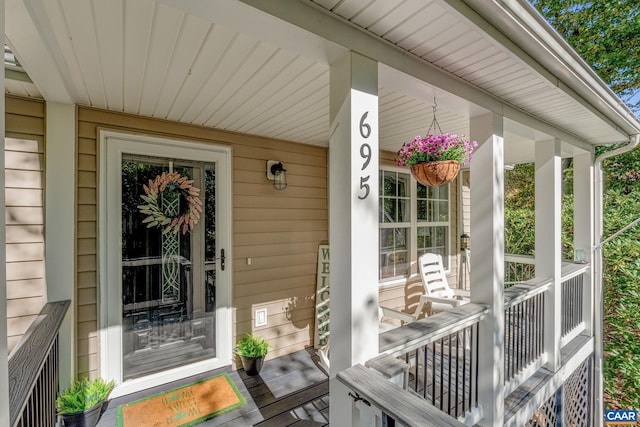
<point>331,89</point>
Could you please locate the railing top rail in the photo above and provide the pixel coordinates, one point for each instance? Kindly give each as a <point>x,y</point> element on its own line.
<point>522,259</point>
<point>28,356</point>
<point>405,407</point>
<point>572,269</point>
<point>424,331</point>
<point>525,290</point>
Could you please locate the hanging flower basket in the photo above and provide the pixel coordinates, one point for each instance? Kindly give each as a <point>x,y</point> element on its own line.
<point>435,174</point>
<point>436,159</point>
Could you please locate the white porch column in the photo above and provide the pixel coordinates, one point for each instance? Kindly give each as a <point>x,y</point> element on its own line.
<point>60,217</point>
<point>583,226</point>
<point>548,241</point>
<point>353,221</point>
<point>487,259</point>
<point>4,347</point>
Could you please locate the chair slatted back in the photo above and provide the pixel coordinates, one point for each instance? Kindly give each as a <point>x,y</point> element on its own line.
<point>433,278</point>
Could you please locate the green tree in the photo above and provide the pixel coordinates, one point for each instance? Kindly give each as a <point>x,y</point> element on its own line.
<point>606,33</point>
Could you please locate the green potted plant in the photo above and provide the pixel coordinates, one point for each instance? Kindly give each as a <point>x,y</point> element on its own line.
<point>81,404</point>
<point>252,351</point>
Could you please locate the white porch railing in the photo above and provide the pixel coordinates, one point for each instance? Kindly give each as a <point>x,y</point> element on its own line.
<point>518,269</point>
<point>440,359</point>
<point>524,331</point>
<point>439,354</point>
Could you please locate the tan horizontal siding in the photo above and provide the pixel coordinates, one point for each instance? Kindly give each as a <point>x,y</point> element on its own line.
<point>279,230</point>
<point>24,213</point>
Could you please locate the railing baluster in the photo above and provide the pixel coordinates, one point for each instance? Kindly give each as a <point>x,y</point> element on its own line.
<point>464,367</point>
<point>433,374</point>
<point>457,369</point>
<point>425,371</point>
<point>441,373</point>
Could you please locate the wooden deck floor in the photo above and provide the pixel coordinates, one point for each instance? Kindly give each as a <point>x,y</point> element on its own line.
<point>290,391</point>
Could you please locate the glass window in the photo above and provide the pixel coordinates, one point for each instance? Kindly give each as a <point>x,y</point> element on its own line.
<point>394,218</point>
<point>428,227</point>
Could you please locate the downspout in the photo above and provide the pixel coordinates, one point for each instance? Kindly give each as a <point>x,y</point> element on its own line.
<point>597,262</point>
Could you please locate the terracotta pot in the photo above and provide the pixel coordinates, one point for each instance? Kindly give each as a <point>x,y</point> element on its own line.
<point>434,174</point>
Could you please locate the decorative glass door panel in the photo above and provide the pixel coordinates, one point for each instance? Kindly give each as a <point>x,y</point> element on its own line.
<point>168,264</point>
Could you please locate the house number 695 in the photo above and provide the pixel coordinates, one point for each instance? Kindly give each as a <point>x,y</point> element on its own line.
<point>365,153</point>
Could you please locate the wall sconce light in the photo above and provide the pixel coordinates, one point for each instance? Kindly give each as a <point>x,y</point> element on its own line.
<point>277,173</point>
<point>464,241</point>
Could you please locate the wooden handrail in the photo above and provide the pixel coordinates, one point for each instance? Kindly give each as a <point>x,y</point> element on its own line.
<point>27,358</point>
<point>425,331</point>
<point>525,290</point>
<point>403,406</point>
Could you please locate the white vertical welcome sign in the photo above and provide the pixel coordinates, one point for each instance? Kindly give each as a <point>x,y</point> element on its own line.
<point>321,341</point>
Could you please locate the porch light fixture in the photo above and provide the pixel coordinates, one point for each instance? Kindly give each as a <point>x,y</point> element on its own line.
<point>277,173</point>
<point>464,241</point>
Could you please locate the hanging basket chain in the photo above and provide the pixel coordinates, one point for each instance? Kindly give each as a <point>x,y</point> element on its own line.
<point>434,123</point>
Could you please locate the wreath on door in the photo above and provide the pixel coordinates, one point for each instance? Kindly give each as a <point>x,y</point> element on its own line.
<point>164,191</point>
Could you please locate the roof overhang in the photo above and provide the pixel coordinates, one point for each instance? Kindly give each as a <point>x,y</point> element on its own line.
<point>262,67</point>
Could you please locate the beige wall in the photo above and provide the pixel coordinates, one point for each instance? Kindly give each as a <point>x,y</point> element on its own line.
<point>279,230</point>
<point>24,175</point>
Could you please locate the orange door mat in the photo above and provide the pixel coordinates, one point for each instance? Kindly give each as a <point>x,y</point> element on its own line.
<point>182,406</point>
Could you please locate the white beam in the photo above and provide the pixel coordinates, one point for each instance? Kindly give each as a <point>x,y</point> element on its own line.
<point>548,246</point>
<point>34,44</point>
<point>487,258</point>
<point>4,346</point>
<point>353,222</point>
<point>583,226</point>
<point>60,219</point>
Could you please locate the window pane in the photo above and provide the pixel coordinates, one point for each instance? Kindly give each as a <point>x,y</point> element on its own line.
<point>403,185</point>
<point>403,211</point>
<point>389,213</point>
<point>394,260</point>
<point>433,240</point>
<point>422,210</point>
<point>443,211</point>
<point>389,185</point>
<point>422,191</point>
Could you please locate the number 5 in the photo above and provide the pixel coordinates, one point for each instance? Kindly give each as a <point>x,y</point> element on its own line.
<point>363,185</point>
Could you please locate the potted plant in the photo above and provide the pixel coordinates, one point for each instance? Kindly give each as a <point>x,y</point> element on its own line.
<point>436,159</point>
<point>82,403</point>
<point>252,350</point>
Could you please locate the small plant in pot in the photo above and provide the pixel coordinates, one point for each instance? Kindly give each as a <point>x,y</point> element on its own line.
<point>82,403</point>
<point>252,350</point>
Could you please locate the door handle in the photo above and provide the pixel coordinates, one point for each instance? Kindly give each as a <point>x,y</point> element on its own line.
<point>222,259</point>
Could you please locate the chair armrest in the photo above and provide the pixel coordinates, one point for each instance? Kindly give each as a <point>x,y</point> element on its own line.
<point>396,314</point>
<point>450,301</point>
<point>463,293</point>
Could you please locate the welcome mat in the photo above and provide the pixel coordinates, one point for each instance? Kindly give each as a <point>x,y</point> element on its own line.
<point>182,406</point>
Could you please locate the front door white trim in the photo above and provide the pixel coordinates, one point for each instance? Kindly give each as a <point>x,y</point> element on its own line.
<point>112,146</point>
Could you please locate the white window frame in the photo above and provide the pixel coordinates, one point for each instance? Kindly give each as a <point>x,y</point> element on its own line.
<point>413,230</point>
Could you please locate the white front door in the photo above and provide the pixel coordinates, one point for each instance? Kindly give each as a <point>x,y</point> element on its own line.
<point>165,259</point>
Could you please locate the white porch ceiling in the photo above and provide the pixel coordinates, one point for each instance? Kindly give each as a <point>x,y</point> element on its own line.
<point>225,64</point>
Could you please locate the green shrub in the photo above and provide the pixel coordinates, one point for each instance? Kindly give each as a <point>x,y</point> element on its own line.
<point>83,394</point>
<point>251,346</point>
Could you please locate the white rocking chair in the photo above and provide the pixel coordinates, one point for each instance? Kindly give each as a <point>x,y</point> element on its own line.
<point>436,288</point>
